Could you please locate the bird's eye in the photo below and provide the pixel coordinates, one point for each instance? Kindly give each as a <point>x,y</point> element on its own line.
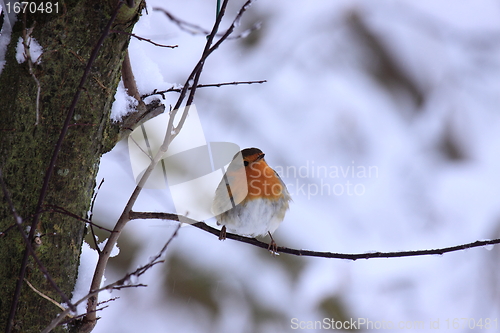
<point>245,163</point>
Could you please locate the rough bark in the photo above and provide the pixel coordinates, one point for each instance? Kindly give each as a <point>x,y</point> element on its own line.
<point>67,38</point>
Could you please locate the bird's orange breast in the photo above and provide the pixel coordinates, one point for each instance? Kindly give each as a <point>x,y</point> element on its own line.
<point>263,182</point>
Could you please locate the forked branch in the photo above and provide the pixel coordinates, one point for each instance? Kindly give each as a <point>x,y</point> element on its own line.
<point>192,81</point>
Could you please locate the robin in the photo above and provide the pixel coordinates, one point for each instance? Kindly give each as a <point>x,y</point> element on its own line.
<point>251,198</point>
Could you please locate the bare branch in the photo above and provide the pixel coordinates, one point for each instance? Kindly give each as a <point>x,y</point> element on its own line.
<point>143,39</point>
<point>143,112</point>
<point>308,253</point>
<point>171,132</point>
<point>129,79</point>
<point>135,119</point>
<point>234,83</point>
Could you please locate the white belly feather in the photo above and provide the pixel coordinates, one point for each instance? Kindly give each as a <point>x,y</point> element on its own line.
<point>254,217</point>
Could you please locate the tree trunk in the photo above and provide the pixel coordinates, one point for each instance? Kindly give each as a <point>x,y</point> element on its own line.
<point>68,38</point>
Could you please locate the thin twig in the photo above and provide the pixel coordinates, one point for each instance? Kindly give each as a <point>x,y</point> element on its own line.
<point>184,25</point>
<point>199,67</point>
<point>27,56</point>
<point>94,237</point>
<point>44,296</point>
<point>308,253</point>
<point>143,39</point>
<point>93,199</point>
<point>234,83</point>
<point>61,210</point>
<point>195,29</point>
<point>117,285</point>
<point>70,319</point>
<point>4,233</point>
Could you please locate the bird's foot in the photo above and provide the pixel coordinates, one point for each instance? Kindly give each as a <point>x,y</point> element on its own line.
<point>222,233</point>
<point>273,247</point>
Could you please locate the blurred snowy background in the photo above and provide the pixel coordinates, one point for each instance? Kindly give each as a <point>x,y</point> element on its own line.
<point>406,91</point>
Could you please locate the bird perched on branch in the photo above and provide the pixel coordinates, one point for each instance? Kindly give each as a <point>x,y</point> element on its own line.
<point>251,198</point>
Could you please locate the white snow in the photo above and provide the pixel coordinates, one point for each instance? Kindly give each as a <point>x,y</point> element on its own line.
<point>114,251</point>
<point>5,32</point>
<point>36,51</point>
<point>123,104</point>
<point>88,261</point>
